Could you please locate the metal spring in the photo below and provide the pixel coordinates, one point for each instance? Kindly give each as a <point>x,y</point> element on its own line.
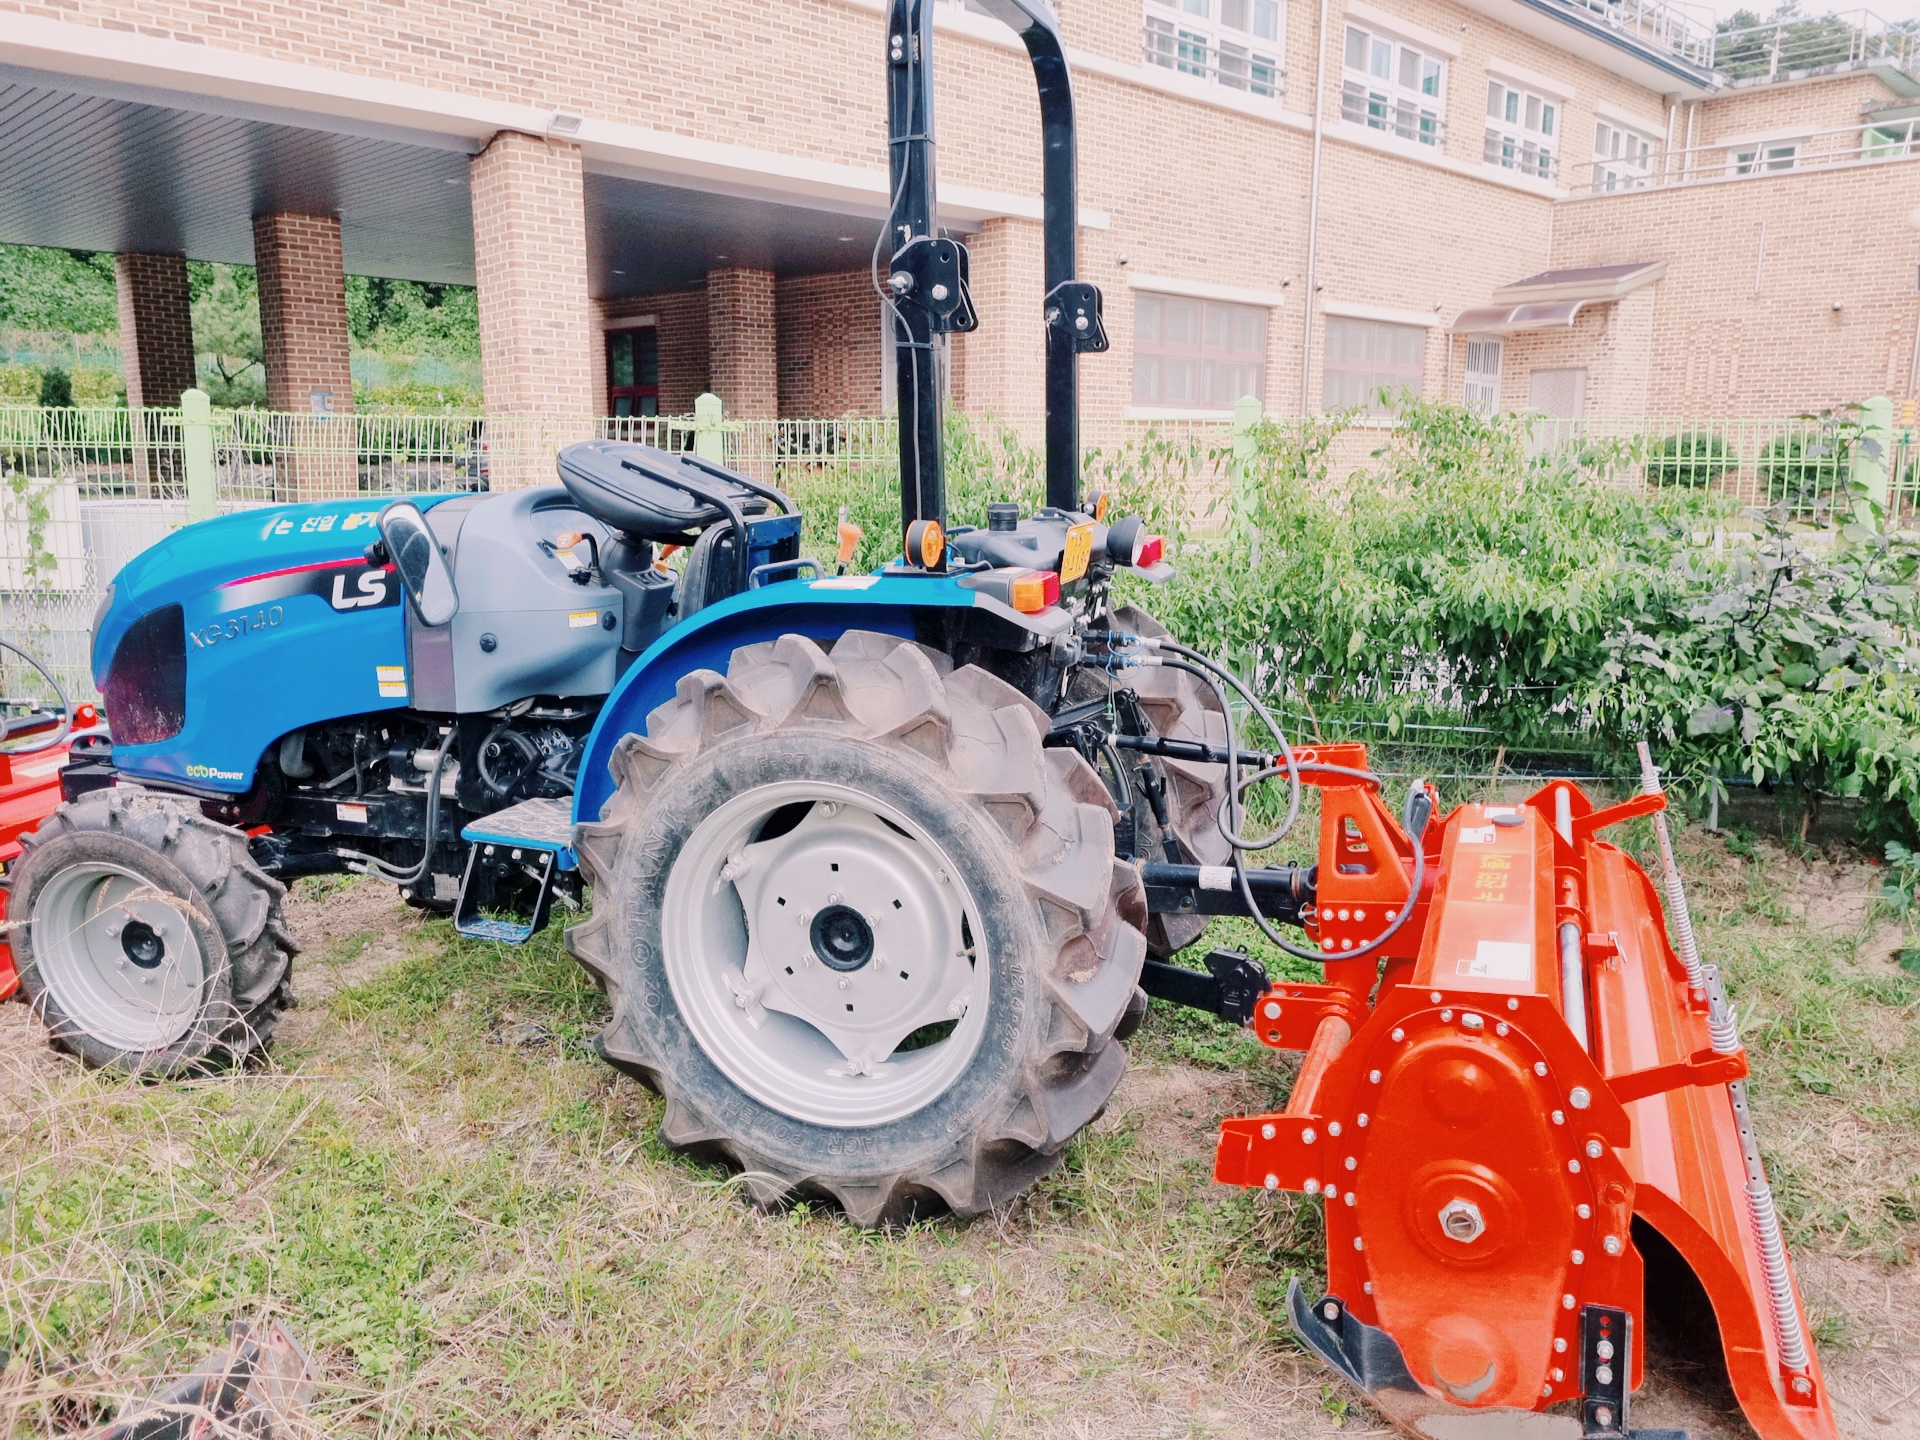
<point>1773,1259</point>
<point>1687,946</point>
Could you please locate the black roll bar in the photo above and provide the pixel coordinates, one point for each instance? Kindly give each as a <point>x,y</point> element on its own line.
<point>927,281</point>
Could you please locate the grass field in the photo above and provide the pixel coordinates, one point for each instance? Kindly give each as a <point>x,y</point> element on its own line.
<point>468,1219</point>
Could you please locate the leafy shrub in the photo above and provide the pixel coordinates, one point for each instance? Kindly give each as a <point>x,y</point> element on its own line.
<point>19,385</point>
<point>56,389</point>
<point>416,397</point>
<point>97,385</point>
<point>1460,575</point>
<point>1693,457</point>
<point>1800,469</point>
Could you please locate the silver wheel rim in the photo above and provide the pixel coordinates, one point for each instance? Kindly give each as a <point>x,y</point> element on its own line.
<point>800,980</point>
<point>118,955</point>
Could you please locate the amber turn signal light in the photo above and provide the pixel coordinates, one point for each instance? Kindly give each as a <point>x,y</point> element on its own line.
<point>1034,591</point>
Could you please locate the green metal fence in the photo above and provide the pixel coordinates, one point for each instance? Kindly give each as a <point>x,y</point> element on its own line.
<point>83,491</point>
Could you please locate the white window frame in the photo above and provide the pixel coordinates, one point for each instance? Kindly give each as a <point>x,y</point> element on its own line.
<point>1524,127</point>
<point>1221,42</point>
<point>1413,112</point>
<point>1622,156</point>
<point>1765,157</point>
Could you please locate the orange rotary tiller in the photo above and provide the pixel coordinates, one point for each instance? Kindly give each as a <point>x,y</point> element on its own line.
<point>1538,1069</point>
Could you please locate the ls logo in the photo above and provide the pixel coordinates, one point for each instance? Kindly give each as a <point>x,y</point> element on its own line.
<point>370,588</point>
<point>347,585</point>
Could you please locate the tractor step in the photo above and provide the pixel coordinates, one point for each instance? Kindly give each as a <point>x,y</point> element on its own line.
<point>531,825</point>
<point>523,845</point>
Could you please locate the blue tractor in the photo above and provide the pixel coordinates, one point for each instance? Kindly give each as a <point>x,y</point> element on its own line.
<point>876,861</point>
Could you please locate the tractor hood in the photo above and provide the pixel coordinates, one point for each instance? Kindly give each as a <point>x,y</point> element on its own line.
<point>275,611</point>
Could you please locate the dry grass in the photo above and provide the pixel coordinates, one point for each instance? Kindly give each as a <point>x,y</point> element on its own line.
<point>466,1217</point>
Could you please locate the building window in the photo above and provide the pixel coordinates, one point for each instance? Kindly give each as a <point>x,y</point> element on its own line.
<point>1232,43</point>
<point>633,372</point>
<point>1197,354</point>
<point>1483,377</point>
<point>1774,155</point>
<point>1622,159</point>
<point>1388,85</point>
<point>1370,365</point>
<point>1522,130</point>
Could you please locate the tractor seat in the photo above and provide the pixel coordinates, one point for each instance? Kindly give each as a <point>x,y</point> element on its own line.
<point>649,493</point>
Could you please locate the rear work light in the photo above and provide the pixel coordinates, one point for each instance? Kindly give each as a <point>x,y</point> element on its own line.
<point>1128,543</point>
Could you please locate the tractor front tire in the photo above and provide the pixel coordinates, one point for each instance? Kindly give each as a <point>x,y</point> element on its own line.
<point>146,937</point>
<point>861,930</point>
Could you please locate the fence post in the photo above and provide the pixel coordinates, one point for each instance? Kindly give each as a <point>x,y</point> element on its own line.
<point>1247,418</point>
<point>709,428</point>
<point>196,448</point>
<point>1871,461</point>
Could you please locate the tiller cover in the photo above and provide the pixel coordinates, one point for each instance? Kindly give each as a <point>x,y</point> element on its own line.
<point>1540,1066</point>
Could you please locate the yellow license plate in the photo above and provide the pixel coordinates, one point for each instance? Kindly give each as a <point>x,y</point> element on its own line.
<point>1073,564</point>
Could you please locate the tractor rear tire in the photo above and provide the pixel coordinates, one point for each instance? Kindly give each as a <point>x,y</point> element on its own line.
<point>980,923</point>
<point>1179,708</point>
<point>146,937</point>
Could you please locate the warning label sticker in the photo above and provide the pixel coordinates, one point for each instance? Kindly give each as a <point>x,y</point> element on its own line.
<point>1498,960</point>
<point>392,680</point>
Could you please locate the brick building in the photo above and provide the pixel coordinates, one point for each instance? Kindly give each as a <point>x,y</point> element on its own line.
<point>1576,206</point>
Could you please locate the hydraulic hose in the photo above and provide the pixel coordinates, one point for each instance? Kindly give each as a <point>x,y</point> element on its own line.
<point>1415,814</point>
<point>413,876</point>
<point>66,707</point>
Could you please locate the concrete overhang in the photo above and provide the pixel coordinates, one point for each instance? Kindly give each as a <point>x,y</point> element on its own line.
<point>155,98</point>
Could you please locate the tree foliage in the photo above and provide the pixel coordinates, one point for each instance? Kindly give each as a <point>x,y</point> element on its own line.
<point>57,290</point>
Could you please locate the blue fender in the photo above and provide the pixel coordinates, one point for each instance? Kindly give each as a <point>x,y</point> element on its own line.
<point>821,610</point>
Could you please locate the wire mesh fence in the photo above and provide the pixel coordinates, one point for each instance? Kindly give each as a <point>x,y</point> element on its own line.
<point>83,491</point>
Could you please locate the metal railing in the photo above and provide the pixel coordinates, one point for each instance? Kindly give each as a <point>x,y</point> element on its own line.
<point>1805,44</point>
<point>1250,68</point>
<point>1394,114</point>
<point>1866,143</point>
<point>1684,30</point>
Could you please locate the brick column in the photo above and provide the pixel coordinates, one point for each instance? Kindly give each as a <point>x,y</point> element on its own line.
<point>1001,368</point>
<point>742,344</point>
<point>156,328</point>
<point>303,330</point>
<point>537,331</point>
<point>303,312</point>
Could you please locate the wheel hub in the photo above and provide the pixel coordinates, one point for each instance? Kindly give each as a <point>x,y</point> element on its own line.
<point>804,961</point>
<point>119,955</point>
<point>842,938</point>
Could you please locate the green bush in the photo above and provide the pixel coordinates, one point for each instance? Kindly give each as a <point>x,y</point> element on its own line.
<point>1693,457</point>
<point>19,384</point>
<point>1461,581</point>
<point>1800,469</point>
<point>97,385</point>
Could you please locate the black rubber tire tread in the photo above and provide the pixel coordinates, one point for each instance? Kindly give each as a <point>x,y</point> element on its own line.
<point>235,908</point>
<point>1032,827</point>
<point>1180,708</point>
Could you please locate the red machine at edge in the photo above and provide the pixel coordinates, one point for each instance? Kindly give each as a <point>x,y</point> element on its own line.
<point>1539,1067</point>
<point>29,792</point>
